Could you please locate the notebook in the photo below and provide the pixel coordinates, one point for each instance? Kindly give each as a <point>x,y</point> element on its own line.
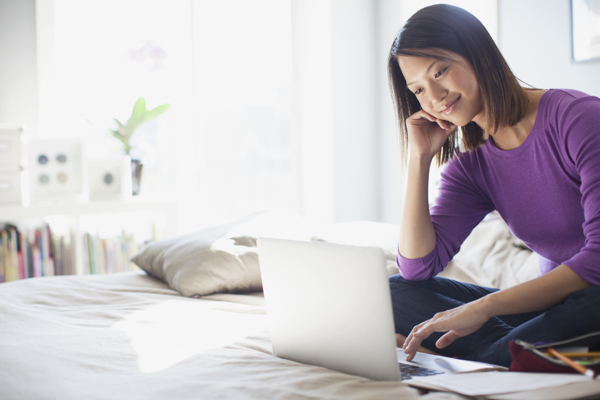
<point>330,305</point>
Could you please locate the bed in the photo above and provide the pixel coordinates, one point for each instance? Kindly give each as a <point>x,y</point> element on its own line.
<point>193,324</point>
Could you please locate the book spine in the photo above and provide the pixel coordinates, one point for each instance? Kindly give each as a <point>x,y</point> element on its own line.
<point>37,259</point>
<point>91,253</point>
<point>28,247</point>
<point>58,255</point>
<point>47,255</point>
<point>104,243</point>
<point>21,266</point>
<point>23,255</point>
<point>2,260</point>
<point>119,255</point>
<point>14,254</point>
<point>6,257</point>
<point>40,249</point>
<point>86,255</point>
<point>123,254</point>
<point>100,259</point>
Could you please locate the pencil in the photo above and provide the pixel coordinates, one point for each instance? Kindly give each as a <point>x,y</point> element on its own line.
<point>592,354</point>
<point>579,368</point>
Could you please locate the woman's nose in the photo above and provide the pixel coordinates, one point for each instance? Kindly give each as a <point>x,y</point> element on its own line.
<point>437,95</point>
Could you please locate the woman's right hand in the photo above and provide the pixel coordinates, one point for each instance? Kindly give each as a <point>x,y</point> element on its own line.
<point>427,134</point>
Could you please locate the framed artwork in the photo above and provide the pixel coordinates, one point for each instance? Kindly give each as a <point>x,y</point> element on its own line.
<point>55,169</point>
<point>585,30</point>
<point>109,178</point>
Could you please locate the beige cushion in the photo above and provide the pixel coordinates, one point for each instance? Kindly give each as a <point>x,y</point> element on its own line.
<point>221,259</point>
<point>491,256</point>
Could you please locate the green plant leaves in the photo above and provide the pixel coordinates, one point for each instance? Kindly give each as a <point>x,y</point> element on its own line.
<point>139,115</point>
<point>156,111</point>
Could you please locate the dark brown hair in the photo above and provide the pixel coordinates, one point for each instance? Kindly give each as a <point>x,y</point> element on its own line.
<point>450,28</point>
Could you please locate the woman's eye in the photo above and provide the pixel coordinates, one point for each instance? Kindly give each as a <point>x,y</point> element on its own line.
<point>439,73</point>
<point>418,91</point>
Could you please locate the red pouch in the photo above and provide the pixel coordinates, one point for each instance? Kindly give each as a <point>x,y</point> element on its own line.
<point>529,357</point>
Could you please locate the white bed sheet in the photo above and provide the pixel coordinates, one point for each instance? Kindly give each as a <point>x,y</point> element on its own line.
<point>128,336</point>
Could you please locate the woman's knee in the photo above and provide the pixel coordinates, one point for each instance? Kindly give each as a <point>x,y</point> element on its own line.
<point>411,294</point>
<point>398,279</point>
<point>581,305</point>
<point>400,286</point>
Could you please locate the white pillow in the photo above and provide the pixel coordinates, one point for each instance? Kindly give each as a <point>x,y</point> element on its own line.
<point>221,259</point>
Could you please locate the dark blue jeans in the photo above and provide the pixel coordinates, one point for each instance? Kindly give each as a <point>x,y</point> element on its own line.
<point>416,301</point>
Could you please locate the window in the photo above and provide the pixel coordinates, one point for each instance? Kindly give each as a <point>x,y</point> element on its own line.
<point>225,146</point>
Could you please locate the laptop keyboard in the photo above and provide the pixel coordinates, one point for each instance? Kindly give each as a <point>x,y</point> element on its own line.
<point>408,371</point>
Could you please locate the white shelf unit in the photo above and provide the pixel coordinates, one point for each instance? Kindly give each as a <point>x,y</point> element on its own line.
<point>163,209</point>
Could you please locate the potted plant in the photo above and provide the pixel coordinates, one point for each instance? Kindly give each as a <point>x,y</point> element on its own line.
<point>125,131</point>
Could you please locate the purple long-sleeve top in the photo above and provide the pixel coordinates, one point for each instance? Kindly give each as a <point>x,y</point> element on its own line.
<point>547,190</point>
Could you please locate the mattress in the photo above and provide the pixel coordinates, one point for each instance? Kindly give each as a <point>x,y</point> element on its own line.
<point>129,336</point>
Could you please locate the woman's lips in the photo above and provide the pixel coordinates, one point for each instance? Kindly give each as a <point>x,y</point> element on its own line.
<point>450,107</point>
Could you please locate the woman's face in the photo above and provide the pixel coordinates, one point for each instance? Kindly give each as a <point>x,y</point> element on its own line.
<point>446,89</point>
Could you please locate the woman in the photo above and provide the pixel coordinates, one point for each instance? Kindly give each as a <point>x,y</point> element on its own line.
<point>533,155</point>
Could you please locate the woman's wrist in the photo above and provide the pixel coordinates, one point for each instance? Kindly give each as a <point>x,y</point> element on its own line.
<point>537,294</point>
<point>490,305</point>
<point>420,159</point>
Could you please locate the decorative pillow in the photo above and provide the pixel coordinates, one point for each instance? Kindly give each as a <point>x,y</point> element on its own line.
<point>221,259</point>
<point>491,256</point>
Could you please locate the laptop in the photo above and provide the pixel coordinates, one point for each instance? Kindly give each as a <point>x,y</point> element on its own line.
<point>330,305</point>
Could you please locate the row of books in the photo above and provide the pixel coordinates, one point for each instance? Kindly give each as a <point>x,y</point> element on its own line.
<point>33,253</point>
<point>40,251</point>
<point>108,255</point>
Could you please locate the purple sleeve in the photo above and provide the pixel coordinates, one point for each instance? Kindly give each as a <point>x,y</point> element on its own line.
<point>458,208</point>
<point>580,123</point>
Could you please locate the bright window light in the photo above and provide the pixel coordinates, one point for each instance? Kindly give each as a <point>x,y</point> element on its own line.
<point>225,66</point>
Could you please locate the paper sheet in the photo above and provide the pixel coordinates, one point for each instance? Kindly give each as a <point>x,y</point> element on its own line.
<point>495,382</point>
<point>445,364</point>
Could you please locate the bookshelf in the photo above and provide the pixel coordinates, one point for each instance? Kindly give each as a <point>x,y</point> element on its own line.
<point>17,212</point>
<point>160,213</point>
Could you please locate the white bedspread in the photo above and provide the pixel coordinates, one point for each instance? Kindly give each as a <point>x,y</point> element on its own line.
<point>128,336</point>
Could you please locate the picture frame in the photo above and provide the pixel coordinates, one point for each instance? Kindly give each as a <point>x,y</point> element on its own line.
<point>55,169</point>
<point>585,30</point>
<point>109,178</point>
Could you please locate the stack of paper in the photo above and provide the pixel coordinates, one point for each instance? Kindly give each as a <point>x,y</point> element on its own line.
<point>512,385</point>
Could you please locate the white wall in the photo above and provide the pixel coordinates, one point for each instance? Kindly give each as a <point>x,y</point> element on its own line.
<point>18,72</point>
<point>357,173</point>
<point>391,17</point>
<point>336,109</point>
<point>535,38</point>
<point>312,106</point>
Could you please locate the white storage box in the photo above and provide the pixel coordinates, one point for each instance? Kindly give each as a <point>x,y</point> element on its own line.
<point>11,150</point>
<point>10,186</point>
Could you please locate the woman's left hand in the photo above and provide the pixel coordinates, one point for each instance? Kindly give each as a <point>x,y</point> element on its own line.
<point>457,322</point>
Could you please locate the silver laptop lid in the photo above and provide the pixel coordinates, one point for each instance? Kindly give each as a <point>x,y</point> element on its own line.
<point>329,305</point>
